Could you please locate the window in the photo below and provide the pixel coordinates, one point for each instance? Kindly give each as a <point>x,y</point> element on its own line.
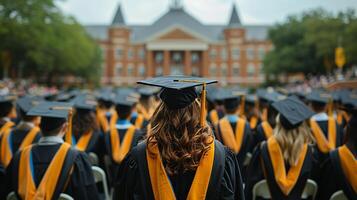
<point>235,53</point>
<point>159,57</point>
<point>251,70</point>
<point>250,53</point>
<point>130,53</point>
<point>261,68</point>
<point>118,53</point>
<point>261,52</point>
<point>213,54</point>
<point>119,69</point>
<point>195,58</point>
<point>130,70</point>
<point>236,70</point>
<point>224,70</point>
<point>142,54</point>
<point>159,71</point>
<point>177,57</point>
<point>141,70</point>
<point>195,71</point>
<point>223,54</point>
<point>213,70</point>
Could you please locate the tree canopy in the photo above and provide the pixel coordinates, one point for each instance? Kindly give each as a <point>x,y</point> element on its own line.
<point>38,40</point>
<point>307,42</point>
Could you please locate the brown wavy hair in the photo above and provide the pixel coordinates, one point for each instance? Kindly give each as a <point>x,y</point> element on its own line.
<point>83,122</point>
<point>179,136</point>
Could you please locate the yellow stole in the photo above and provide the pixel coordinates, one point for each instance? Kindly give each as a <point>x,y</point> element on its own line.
<point>146,114</point>
<point>264,115</point>
<point>103,122</point>
<point>325,145</point>
<point>119,151</point>
<point>6,127</point>
<point>348,165</point>
<point>83,141</point>
<point>285,181</point>
<point>5,151</point>
<point>231,139</point>
<point>268,130</point>
<point>342,115</point>
<point>27,189</point>
<point>160,182</point>
<point>213,115</point>
<point>253,122</point>
<point>139,121</point>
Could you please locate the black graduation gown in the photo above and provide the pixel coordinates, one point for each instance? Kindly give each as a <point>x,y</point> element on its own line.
<point>256,170</point>
<point>145,122</point>
<point>333,179</point>
<point>134,180</point>
<point>138,135</point>
<point>94,145</point>
<point>80,184</point>
<point>339,139</point>
<point>258,137</point>
<point>18,135</point>
<point>241,156</point>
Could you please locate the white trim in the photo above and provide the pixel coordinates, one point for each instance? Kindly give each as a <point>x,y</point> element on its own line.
<point>177,45</point>
<point>177,26</point>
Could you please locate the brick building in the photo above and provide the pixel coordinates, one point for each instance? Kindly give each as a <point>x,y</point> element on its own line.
<point>178,44</point>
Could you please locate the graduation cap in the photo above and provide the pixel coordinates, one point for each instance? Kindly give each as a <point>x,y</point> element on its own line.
<point>146,92</point>
<point>179,91</point>
<point>84,102</point>
<point>27,102</point>
<point>7,98</point>
<point>126,98</point>
<point>270,96</point>
<point>292,112</point>
<point>230,98</point>
<point>319,96</point>
<point>53,114</point>
<point>106,95</point>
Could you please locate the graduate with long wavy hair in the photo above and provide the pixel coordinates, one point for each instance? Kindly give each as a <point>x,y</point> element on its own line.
<point>180,159</point>
<point>286,159</point>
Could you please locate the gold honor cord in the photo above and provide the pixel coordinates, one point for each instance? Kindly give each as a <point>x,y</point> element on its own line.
<point>203,99</point>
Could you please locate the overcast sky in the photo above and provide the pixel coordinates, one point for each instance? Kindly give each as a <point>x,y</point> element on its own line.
<point>207,11</point>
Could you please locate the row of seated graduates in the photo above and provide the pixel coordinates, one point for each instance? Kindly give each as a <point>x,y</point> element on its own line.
<point>111,117</point>
<point>244,130</point>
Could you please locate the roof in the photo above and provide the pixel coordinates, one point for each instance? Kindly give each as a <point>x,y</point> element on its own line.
<point>235,20</point>
<point>118,18</point>
<point>179,17</point>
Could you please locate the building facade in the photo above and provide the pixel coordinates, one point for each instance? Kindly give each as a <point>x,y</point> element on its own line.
<point>178,44</point>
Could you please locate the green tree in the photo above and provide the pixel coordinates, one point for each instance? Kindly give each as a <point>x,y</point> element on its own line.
<point>306,43</point>
<point>37,40</point>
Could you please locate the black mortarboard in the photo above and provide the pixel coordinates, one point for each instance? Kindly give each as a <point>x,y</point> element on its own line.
<point>146,92</point>
<point>230,98</point>
<point>319,96</point>
<point>126,98</point>
<point>292,112</point>
<point>349,102</point>
<point>270,96</point>
<point>84,102</point>
<point>106,95</point>
<point>179,91</point>
<point>53,114</point>
<point>250,99</point>
<point>27,102</point>
<point>64,96</point>
<point>7,98</point>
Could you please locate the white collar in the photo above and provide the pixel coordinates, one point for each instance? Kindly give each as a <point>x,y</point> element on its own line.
<point>6,119</point>
<point>50,140</point>
<point>123,126</point>
<point>322,116</point>
<point>29,124</point>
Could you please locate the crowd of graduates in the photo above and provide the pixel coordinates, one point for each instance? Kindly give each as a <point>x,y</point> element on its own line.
<point>179,138</point>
